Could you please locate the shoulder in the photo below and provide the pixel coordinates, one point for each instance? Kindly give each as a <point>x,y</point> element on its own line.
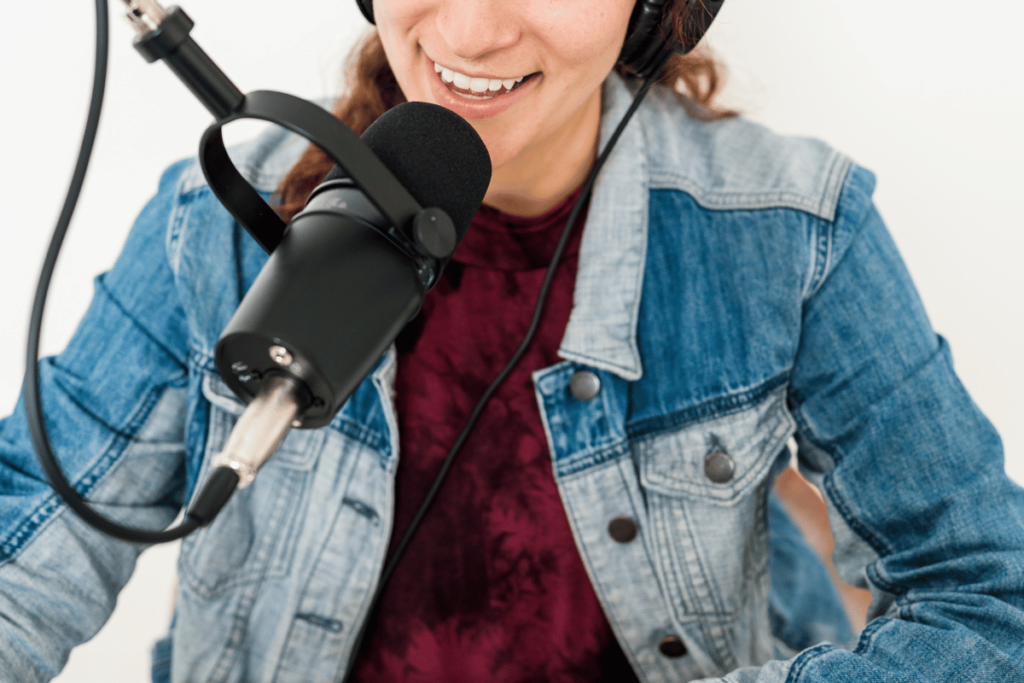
<point>737,164</point>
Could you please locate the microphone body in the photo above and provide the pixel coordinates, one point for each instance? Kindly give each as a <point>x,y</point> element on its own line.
<point>344,279</point>
<point>330,300</point>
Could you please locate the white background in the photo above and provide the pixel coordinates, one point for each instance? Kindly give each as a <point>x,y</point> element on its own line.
<point>923,92</point>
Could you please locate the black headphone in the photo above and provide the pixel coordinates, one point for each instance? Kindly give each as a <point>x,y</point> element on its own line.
<point>648,42</point>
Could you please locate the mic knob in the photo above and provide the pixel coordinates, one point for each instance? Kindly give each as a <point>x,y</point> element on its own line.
<point>434,233</point>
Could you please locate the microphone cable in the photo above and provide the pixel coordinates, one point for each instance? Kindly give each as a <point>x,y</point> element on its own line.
<point>538,310</point>
<point>221,483</point>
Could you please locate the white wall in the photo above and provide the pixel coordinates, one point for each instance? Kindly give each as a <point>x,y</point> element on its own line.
<point>923,93</point>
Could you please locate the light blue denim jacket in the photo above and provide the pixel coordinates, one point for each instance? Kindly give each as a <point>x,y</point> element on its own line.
<point>735,289</point>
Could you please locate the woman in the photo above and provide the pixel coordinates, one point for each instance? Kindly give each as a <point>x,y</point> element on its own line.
<point>731,289</point>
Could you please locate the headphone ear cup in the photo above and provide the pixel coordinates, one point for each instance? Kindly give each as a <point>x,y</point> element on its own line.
<point>649,39</point>
<point>643,34</point>
<point>366,7</point>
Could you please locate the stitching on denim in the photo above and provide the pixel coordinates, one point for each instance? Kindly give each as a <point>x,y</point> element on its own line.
<point>838,167</point>
<point>50,507</point>
<point>588,460</point>
<point>712,632</point>
<point>628,373</point>
<point>876,543</point>
<point>822,249</point>
<point>874,573</point>
<point>861,219</point>
<point>627,646</point>
<point>805,658</point>
<point>181,211</point>
<point>714,200</point>
<point>718,407</point>
<point>864,642</point>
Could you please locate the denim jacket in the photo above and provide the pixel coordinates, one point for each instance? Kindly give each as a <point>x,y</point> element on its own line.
<point>736,290</point>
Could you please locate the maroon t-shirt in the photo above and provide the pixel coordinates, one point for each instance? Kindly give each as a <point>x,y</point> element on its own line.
<point>491,588</point>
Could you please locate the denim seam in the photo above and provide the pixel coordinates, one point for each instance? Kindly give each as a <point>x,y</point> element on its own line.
<point>51,506</point>
<point>181,211</point>
<point>861,217</point>
<point>822,250</point>
<point>801,661</point>
<point>876,542</point>
<point>710,625</point>
<point>838,169</point>
<point>738,200</point>
<point>603,598</point>
<point>601,363</point>
<point>864,642</point>
<point>719,407</point>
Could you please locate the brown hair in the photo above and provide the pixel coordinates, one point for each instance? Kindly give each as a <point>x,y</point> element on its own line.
<point>695,79</point>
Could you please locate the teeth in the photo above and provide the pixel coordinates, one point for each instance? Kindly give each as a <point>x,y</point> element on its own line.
<point>477,85</point>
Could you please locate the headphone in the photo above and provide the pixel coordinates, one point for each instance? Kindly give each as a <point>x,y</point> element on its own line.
<point>648,42</point>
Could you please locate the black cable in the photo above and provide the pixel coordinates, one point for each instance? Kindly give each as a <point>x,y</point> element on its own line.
<point>523,345</point>
<point>211,498</point>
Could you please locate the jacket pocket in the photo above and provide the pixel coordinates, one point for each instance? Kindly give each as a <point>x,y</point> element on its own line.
<point>253,538</point>
<point>706,489</point>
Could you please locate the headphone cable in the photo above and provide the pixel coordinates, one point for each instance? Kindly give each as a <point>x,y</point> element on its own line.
<point>538,310</point>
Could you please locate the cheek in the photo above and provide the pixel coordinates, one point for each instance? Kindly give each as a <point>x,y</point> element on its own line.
<point>583,32</point>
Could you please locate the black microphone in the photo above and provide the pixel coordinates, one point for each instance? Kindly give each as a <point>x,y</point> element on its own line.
<point>343,282</point>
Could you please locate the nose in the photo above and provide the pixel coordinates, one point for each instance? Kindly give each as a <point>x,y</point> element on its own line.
<point>475,28</point>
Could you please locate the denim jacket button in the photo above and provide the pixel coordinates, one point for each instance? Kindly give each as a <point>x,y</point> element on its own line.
<point>622,529</point>
<point>719,467</point>
<point>585,385</point>
<point>672,646</point>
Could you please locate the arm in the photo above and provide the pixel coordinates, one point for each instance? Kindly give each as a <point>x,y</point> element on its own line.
<point>115,407</point>
<point>922,512</point>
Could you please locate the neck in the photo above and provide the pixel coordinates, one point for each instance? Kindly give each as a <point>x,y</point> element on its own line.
<point>540,177</point>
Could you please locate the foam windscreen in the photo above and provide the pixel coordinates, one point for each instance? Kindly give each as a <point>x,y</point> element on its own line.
<point>436,155</point>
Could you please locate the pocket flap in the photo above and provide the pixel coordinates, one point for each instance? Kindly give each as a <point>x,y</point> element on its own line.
<point>719,460</point>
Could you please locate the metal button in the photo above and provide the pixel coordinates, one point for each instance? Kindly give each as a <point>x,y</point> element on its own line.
<point>719,467</point>
<point>672,646</point>
<point>622,529</point>
<point>585,385</point>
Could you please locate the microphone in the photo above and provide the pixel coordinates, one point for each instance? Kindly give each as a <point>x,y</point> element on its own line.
<point>344,281</point>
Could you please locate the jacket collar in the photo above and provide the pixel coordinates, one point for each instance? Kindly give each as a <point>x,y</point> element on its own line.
<point>606,302</point>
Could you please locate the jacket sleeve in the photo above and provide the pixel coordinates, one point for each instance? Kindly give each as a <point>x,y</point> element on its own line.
<point>912,472</point>
<point>114,403</point>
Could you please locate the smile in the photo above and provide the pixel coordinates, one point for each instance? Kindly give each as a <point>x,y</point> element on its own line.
<point>478,88</point>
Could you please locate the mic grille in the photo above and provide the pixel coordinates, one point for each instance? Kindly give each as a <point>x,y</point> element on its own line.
<point>436,155</point>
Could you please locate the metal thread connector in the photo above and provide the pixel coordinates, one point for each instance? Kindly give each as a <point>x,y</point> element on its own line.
<point>145,16</point>
<point>262,427</point>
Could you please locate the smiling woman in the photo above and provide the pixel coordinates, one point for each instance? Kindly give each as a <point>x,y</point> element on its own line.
<point>727,295</point>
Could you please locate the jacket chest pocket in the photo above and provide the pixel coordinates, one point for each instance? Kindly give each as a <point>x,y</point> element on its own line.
<point>253,538</point>
<point>706,487</point>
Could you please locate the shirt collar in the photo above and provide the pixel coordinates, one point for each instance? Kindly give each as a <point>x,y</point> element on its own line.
<point>606,302</point>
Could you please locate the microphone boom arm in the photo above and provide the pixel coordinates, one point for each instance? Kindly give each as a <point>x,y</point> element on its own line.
<point>163,35</point>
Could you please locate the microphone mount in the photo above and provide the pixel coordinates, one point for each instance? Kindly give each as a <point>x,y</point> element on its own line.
<point>164,35</point>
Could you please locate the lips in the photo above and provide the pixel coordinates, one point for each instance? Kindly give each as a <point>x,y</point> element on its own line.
<point>470,104</point>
